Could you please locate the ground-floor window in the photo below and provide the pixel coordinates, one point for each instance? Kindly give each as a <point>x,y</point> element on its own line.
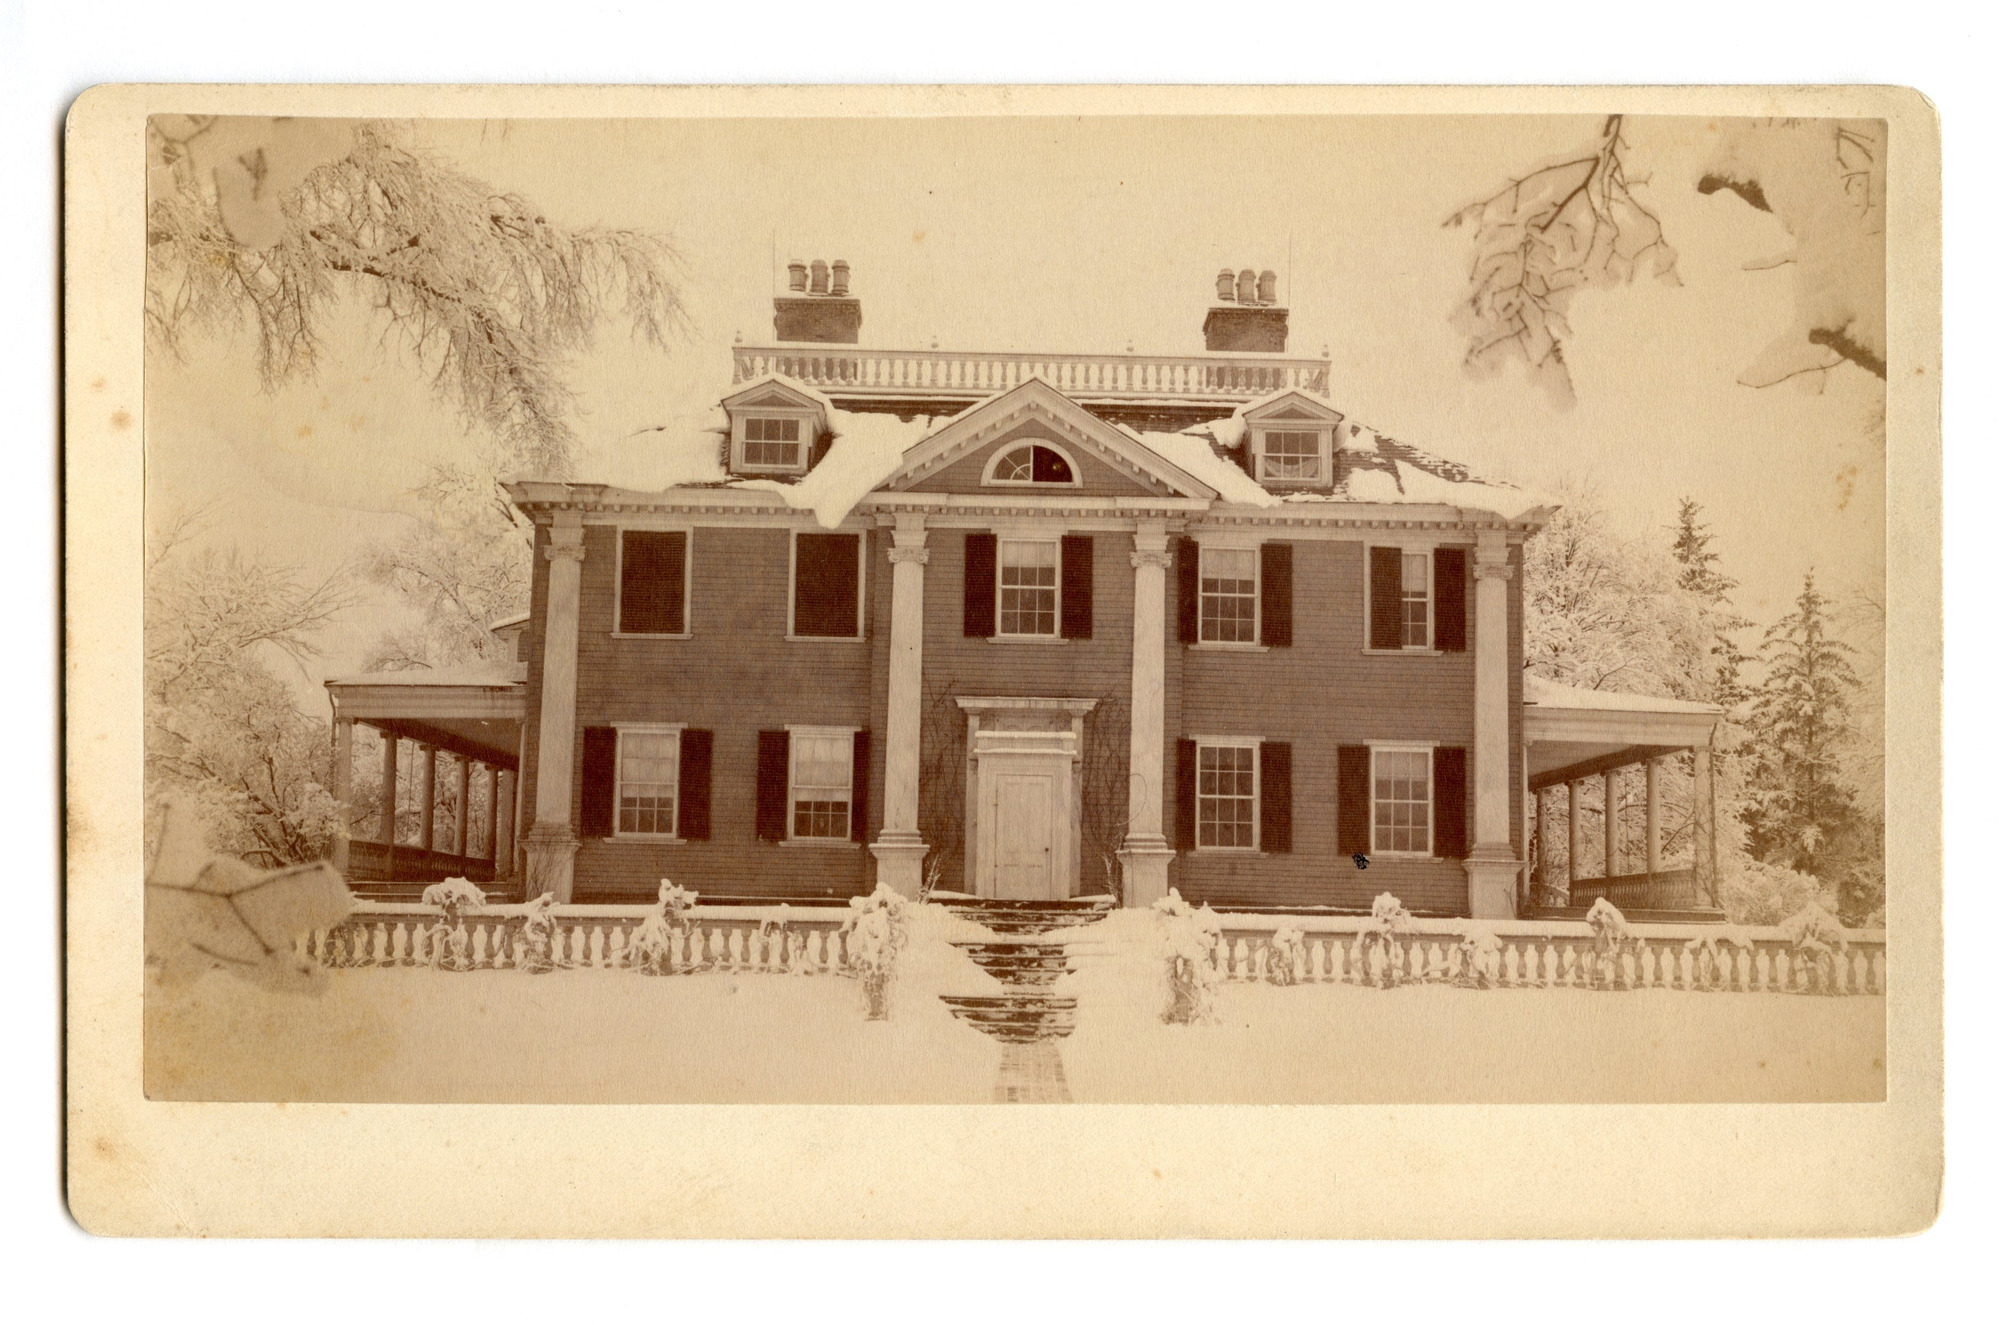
<point>822,783</point>
<point>1401,785</point>
<point>1226,794</point>
<point>648,781</point>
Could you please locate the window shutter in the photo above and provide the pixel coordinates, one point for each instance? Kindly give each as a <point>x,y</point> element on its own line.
<point>773,784</point>
<point>1355,770</point>
<point>826,590</point>
<point>1448,569</point>
<point>1384,591</point>
<point>1447,789</point>
<point>1274,796</point>
<point>1078,585</point>
<point>652,583</point>
<point>697,762</point>
<point>1277,595</point>
<point>981,571</point>
<point>1187,561</point>
<point>1186,774</point>
<point>600,781</point>
<point>857,816</point>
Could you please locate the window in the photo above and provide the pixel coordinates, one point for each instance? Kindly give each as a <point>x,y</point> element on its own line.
<point>1415,600</point>
<point>1027,593</point>
<point>822,783</point>
<point>1031,464</point>
<point>652,583</point>
<point>1292,456</point>
<point>1402,801</point>
<point>1226,797</point>
<point>770,443</point>
<point>826,586</point>
<point>648,782</point>
<point>1228,595</point>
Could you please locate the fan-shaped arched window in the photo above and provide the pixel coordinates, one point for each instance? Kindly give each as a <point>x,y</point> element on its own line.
<point>1032,462</point>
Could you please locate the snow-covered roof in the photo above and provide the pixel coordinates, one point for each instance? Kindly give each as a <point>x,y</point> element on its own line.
<point>472,675</point>
<point>1553,694</point>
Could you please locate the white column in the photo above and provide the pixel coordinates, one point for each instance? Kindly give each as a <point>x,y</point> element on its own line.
<point>1575,837</point>
<point>1704,835</point>
<point>551,843</point>
<point>1613,837</point>
<point>1492,868</point>
<point>493,817</point>
<point>1541,832</point>
<point>386,832</point>
<point>1652,792</point>
<point>459,825</point>
<point>426,775</point>
<point>1146,852</point>
<point>343,785</point>
<point>503,827</point>
<point>899,850</point>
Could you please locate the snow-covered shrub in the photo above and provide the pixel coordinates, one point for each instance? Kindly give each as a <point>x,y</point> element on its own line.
<point>1814,934</point>
<point>1481,960</point>
<point>1381,933</point>
<point>876,930</point>
<point>1287,961</point>
<point>1762,892</point>
<point>1710,951</point>
<point>1610,935</point>
<point>1191,936</point>
<point>450,942</point>
<point>538,955</point>
<point>658,937</point>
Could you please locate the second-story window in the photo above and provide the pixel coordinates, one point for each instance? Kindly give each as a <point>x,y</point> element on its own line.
<point>652,582</point>
<point>1228,595</point>
<point>1027,586</point>
<point>1415,600</point>
<point>1291,457</point>
<point>770,443</point>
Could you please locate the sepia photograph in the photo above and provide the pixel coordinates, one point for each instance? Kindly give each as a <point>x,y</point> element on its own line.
<point>1338,609</point>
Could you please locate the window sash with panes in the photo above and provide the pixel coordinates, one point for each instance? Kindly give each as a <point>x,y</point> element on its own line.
<point>648,782</point>
<point>1291,456</point>
<point>1402,802</point>
<point>1415,600</point>
<point>1228,595</point>
<point>1226,797</point>
<point>822,783</point>
<point>1027,587</point>
<point>770,443</point>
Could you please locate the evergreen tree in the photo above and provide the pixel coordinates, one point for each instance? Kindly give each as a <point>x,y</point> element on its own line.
<point>1802,813</point>
<point>1701,575</point>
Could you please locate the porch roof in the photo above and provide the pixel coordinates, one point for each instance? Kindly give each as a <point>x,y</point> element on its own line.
<point>475,712</point>
<point>1573,733</point>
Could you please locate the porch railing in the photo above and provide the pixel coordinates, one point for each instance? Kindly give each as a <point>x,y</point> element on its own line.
<point>1667,890</point>
<point>957,374</point>
<point>765,939</point>
<point>1562,954</point>
<point>380,864</point>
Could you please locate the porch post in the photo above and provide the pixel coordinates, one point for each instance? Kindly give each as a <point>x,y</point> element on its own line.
<point>1613,853</point>
<point>426,835</point>
<point>1541,832</point>
<point>1492,867</point>
<point>899,849</point>
<point>1575,835</point>
<point>464,816</point>
<point>1704,834</point>
<point>1146,852</point>
<point>551,843</point>
<point>343,785</point>
<point>386,830</point>
<point>503,829</point>
<point>1652,791</point>
<point>493,817</point>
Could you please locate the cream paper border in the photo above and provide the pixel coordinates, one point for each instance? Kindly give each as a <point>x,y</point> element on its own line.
<point>137,1167</point>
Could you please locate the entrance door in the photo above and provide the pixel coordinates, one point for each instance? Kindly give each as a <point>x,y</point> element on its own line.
<point>1024,835</point>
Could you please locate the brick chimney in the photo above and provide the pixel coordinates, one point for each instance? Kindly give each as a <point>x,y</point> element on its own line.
<point>817,308</point>
<point>1246,316</point>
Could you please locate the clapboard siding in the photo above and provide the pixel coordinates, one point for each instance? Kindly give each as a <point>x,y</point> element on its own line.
<point>967,474</point>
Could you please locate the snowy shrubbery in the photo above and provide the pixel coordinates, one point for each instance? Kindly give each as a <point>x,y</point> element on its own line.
<point>1762,892</point>
<point>654,941</point>
<point>450,942</point>
<point>1191,937</point>
<point>537,954</point>
<point>1380,934</point>
<point>1287,961</point>
<point>1611,934</point>
<point>1710,951</point>
<point>876,931</point>
<point>1481,960</point>
<point>1815,934</point>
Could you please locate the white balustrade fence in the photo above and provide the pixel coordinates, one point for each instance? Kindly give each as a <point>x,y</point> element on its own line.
<point>747,939</point>
<point>1560,955</point>
<point>919,373</point>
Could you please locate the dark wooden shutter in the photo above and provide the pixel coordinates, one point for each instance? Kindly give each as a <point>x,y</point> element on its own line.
<point>1447,788</point>
<point>1078,585</point>
<point>1277,595</point>
<point>1274,796</point>
<point>1449,573</point>
<point>1187,561</point>
<point>652,583</point>
<point>600,781</point>
<point>773,784</point>
<point>1355,770</point>
<point>1186,775</point>
<point>697,763</point>
<point>857,817</point>
<point>826,592</point>
<point>981,570</point>
<point>1384,591</point>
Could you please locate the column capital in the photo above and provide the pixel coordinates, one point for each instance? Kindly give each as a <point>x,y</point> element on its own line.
<point>909,530</point>
<point>1144,557</point>
<point>902,552</point>
<point>564,551</point>
<point>565,537</point>
<point>1491,570</point>
<point>1151,536</point>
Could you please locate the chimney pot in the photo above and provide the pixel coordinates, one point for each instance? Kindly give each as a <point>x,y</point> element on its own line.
<point>818,276</point>
<point>1225,285</point>
<point>841,271</point>
<point>1266,288</point>
<point>797,273</point>
<point>1245,286</point>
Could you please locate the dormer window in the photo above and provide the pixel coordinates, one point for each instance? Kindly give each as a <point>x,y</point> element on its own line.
<point>770,443</point>
<point>1293,455</point>
<point>775,428</point>
<point>1032,463</point>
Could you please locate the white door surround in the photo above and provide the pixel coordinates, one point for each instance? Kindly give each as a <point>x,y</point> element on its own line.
<point>1023,812</point>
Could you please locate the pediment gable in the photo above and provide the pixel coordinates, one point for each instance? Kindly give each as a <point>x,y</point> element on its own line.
<point>773,393</point>
<point>1293,405</point>
<point>1036,409</point>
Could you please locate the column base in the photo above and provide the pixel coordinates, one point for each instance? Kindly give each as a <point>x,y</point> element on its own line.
<point>899,862</point>
<point>1144,860</point>
<point>551,862</point>
<point>1491,873</point>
